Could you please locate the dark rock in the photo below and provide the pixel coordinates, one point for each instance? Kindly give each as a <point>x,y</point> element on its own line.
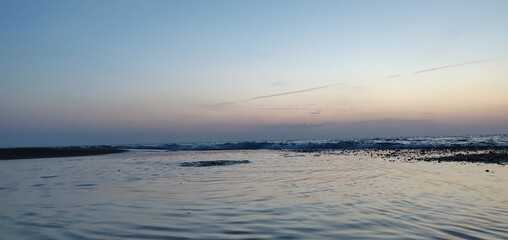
<point>213,163</point>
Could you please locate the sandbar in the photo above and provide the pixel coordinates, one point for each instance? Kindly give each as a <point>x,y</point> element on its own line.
<point>54,152</point>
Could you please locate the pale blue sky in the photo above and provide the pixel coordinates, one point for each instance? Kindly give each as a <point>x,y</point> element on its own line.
<point>94,72</point>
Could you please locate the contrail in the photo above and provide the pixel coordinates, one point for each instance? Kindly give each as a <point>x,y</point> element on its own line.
<point>454,65</point>
<point>443,67</point>
<point>394,76</point>
<point>274,95</point>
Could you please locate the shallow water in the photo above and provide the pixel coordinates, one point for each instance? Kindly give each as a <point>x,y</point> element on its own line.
<point>285,195</point>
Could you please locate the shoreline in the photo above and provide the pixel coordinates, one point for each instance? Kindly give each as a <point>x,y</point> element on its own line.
<point>470,154</point>
<point>54,152</point>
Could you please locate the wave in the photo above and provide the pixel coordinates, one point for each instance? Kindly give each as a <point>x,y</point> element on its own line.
<point>348,144</point>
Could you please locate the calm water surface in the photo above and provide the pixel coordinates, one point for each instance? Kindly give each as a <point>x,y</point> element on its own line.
<point>284,195</point>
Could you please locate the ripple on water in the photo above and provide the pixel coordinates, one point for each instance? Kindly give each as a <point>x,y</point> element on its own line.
<point>276,197</point>
<point>40,225</point>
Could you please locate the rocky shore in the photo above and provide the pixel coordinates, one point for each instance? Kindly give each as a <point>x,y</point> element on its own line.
<point>466,154</point>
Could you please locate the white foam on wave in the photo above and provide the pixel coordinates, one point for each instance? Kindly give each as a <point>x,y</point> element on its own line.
<point>373,143</point>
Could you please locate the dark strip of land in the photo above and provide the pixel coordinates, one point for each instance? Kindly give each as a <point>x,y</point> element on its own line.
<point>54,152</point>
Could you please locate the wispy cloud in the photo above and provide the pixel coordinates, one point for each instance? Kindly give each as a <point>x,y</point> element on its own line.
<point>450,66</point>
<point>443,67</point>
<point>279,83</point>
<point>283,108</point>
<point>394,76</point>
<point>392,121</point>
<point>274,95</point>
<point>383,122</point>
<point>315,112</point>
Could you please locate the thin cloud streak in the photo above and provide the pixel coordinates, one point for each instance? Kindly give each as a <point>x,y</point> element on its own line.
<point>361,123</point>
<point>273,95</point>
<point>315,112</point>
<point>284,109</point>
<point>443,67</point>
<point>454,65</point>
<point>394,76</point>
<point>279,83</point>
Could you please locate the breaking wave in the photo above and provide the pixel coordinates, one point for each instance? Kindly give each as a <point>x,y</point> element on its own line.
<point>374,143</point>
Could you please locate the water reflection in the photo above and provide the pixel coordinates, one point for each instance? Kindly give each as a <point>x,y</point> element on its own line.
<point>149,195</point>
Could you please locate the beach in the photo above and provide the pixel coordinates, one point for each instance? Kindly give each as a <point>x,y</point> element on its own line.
<point>253,120</point>
<point>253,194</point>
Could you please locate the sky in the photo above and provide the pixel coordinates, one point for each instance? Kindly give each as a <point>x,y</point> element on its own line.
<point>114,72</point>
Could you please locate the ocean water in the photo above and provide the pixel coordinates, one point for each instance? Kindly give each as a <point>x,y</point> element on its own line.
<point>336,144</point>
<point>145,194</point>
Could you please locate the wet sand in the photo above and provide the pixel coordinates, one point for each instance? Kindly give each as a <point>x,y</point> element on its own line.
<point>54,152</point>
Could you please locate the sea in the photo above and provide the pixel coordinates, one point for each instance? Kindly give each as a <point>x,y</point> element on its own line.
<point>312,189</point>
